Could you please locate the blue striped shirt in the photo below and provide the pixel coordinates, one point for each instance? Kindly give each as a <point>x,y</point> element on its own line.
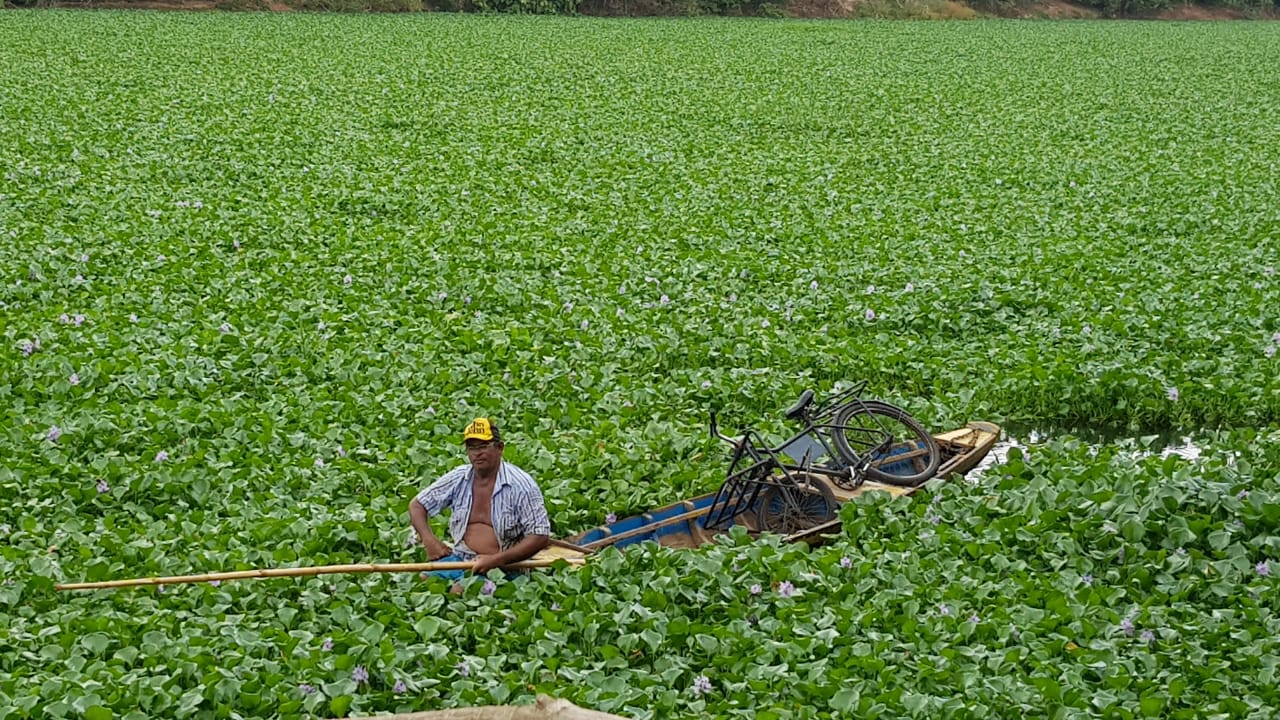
<point>516,510</point>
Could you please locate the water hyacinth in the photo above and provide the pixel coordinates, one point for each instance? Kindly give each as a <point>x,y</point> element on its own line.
<point>463,669</point>
<point>944,610</point>
<point>1171,393</point>
<point>74,379</point>
<point>306,689</point>
<point>870,314</point>
<point>224,328</point>
<point>846,563</point>
<point>755,589</point>
<point>400,688</point>
<point>360,674</point>
<point>611,518</point>
<point>1262,568</point>
<point>701,685</point>
<point>346,279</point>
<point>1087,579</point>
<point>162,456</point>
<point>103,487</point>
<point>53,433</point>
<point>1148,637</point>
<point>975,619</point>
<point>1126,626</point>
<point>488,587</point>
<point>327,645</point>
<point>786,589</point>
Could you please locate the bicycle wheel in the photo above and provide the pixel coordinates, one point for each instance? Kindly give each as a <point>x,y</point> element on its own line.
<point>789,508</point>
<point>911,456</point>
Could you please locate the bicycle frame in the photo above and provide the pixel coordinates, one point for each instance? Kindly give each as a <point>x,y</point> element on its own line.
<point>756,465</point>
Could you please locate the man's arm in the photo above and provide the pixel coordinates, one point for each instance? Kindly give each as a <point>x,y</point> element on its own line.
<point>523,550</point>
<point>420,520</point>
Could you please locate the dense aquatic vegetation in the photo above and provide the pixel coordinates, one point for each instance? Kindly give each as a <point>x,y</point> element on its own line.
<point>258,271</point>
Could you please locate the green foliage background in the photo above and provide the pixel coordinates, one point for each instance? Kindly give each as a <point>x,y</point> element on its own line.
<point>295,254</point>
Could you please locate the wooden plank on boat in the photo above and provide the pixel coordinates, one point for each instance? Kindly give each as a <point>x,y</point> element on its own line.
<point>645,529</point>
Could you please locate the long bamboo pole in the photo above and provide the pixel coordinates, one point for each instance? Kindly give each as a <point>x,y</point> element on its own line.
<point>306,572</point>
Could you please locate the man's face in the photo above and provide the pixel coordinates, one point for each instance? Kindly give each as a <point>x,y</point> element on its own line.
<point>484,455</point>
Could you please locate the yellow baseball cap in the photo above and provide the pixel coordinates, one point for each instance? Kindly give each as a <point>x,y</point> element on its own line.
<point>480,429</point>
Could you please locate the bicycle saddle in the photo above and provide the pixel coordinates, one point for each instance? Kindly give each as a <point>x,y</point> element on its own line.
<point>795,412</point>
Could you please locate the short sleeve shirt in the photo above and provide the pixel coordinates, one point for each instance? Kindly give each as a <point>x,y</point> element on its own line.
<point>517,509</point>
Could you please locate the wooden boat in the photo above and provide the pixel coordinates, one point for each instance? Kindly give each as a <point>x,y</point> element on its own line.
<point>681,524</point>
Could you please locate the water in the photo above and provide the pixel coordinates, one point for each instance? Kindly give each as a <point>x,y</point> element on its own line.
<point>1169,444</point>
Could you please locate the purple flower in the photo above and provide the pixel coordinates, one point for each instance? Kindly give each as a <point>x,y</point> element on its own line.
<point>27,347</point>
<point>54,433</point>
<point>319,462</point>
<point>215,583</point>
<point>846,563</point>
<point>733,297</point>
<point>328,644</point>
<point>488,587</point>
<point>103,487</point>
<point>235,244</point>
<point>871,314</point>
<point>1262,568</point>
<point>944,610</point>
<point>360,674</point>
<point>754,589</point>
<point>400,688</point>
<point>1275,339</point>
<point>463,669</point>
<point>664,300</point>
<point>785,589</point>
<point>1127,626</point>
<point>133,317</point>
<point>224,328</point>
<point>1243,494</point>
<point>1013,632</point>
<point>975,619</point>
<point>706,384</point>
<point>584,325</point>
<point>871,289</point>
<point>555,607</point>
<point>1148,637</point>
<point>1172,393</point>
<point>306,689</point>
<point>162,456</point>
<point>813,285</point>
<point>910,287</point>
<point>74,379</point>
<point>1087,579</point>
<point>346,279</point>
<point>1270,351</point>
<point>1270,270</point>
<point>701,685</point>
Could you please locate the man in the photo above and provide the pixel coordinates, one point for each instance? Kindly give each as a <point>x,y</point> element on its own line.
<point>498,516</point>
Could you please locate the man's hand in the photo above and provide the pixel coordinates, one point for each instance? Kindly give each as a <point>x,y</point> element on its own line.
<point>485,563</point>
<point>436,549</point>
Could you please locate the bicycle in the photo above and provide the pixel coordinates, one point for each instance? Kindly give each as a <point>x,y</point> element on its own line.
<point>845,441</point>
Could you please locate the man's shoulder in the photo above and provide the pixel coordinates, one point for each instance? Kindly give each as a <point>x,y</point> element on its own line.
<point>517,475</point>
